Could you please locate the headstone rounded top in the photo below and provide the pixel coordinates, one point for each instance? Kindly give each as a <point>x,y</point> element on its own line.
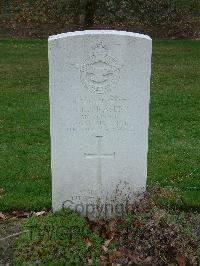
<point>99,116</point>
<point>95,32</point>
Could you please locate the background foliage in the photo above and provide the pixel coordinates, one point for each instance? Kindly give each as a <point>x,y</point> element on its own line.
<point>159,18</point>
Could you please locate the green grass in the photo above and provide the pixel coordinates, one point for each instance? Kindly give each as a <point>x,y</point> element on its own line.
<point>24,124</point>
<point>56,239</point>
<point>174,143</point>
<point>175,118</point>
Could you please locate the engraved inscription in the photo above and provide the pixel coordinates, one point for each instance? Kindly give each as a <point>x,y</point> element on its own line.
<point>100,72</point>
<point>99,155</point>
<point>109,114</point>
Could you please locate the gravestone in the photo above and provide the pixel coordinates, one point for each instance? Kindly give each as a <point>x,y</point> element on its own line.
<point>99,116</point>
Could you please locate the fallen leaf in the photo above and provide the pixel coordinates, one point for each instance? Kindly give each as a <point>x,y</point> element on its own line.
<point>138,224</point>
<point>21,214</point>
<point>90,261</point>
<point>112,228</point>
<point>2,216</point>
<point>113,224</point>
<point>181,260</point>
<point>106,244</point>
<point>119,253</point>
<point>101,222</point>
<point>135,258</point>
<point>88,243</point>
<point>102,261</point>
<point>104,248</point>
<point>39,213</point>
<point>147,260</point>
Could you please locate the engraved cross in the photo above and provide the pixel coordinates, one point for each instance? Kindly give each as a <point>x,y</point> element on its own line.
<point>99,155</point>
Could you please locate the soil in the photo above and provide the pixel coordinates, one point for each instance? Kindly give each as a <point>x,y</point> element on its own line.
<point>8,228</point>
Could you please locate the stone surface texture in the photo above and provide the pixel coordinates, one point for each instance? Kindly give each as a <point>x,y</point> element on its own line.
<point>99,117</point>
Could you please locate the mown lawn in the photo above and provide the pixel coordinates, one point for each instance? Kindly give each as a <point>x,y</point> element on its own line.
<point>174,135</point>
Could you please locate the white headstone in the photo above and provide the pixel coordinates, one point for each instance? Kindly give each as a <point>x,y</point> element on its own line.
<point>99,116</point>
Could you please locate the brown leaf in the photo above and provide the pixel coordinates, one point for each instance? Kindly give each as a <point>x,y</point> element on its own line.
<point>2,216</point>
<point>104,248</point>
<point>138,224</point>
<point>109,235</point>
<point>101,222</point>
<point>106,244</point>
<point>180,259</point>
<point>135,258</point>
<point>113,224</point>
<point>90,261</point>
<point>39,213</point>
<point>112,229</point>
<point>21,214</point>
<point>103,261</point>
<point>88,243</point>
<point>119,253</point>
<point>147,260</point>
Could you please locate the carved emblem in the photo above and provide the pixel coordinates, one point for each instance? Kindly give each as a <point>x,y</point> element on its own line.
<point>100,72</point>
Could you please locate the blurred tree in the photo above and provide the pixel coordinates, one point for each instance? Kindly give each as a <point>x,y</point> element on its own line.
<point>166,18</point>
<point>90,9</point>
